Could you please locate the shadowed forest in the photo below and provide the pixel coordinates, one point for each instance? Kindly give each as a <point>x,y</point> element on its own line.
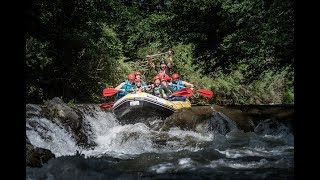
<point>241,50</point>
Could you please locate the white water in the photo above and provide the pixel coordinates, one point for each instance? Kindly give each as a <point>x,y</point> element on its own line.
<point>256,151</point>
<point>111,138</point>
<point>51,135</point>
<point>138,149</point>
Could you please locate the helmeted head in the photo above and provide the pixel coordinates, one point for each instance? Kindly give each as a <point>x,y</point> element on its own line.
<point>137,74</point>
<point>131,77</point>
<point>168,79</point>
<point>175,77</point>
<point>163,65</point>
<point>165,79</point>
<point>156,80</point>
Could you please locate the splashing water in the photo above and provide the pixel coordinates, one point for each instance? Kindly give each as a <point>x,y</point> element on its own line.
<point>136,150</point>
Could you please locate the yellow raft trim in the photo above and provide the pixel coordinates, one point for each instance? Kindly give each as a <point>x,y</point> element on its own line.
<point>176,105</point>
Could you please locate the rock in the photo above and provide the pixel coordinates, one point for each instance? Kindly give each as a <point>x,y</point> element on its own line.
<point>33,110</point>
<point>248,117</point>
<point>69,117</point>
<point>221,124</point>
<point>62,110</point>
<point>271,127</point>
<point>36,157</point>
<point>242,119</point>
<point>194,118</point>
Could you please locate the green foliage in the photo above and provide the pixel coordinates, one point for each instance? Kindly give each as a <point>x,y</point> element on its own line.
<point>37,63</point>
<point>72,103</point>
<point>243,50</point>
<point>269,88</point>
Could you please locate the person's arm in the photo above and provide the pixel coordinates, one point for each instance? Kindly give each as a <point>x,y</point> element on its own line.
<point>189,85</point>
<point>118,88</point>
<point>170,61</point>
<point>150,62</point>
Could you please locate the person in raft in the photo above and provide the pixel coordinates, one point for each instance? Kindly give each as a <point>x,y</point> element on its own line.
<point>178,84</point>
<point>139,87</point>
<point>125,87</point>
<point>164,67</point>
<point>158,89</point>
<point>138,76</point>
<point>166,89</point>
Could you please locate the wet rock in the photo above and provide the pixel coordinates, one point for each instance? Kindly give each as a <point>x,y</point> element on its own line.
<point>242,119</point>
<point>221,124</point>
<point>248,117</point>
<point>271,127</point>
<point>194,118</point>
<point>36,157</point>
<point>69,117</point>
<point>33,110</point>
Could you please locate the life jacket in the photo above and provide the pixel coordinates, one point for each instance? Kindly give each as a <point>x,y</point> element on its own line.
<point>177,85</point>
<point>143,83</point>
<point>164,72</point>
<point>166,90</point>
<point>156,91</point>
<point>127,87</point>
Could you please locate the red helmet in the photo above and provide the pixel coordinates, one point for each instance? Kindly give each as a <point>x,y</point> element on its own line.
<point>175,76</point>
<point>156,77</point>
<point>131,76</point>
<point>137,73</point>
<point>168,79</point>
<point>160,75</point>
<point>165,78</point>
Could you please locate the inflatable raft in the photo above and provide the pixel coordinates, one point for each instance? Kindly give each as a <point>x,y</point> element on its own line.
<point>140,107</point>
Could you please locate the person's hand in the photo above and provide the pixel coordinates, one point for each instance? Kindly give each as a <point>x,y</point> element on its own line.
<point>165,96</point>
<point>152,86</point>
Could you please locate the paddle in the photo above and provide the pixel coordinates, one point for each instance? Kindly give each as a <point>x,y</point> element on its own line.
<point>109,92</point>
<point>183,92</point>
<point>202,92</point>
<point>205,93</point>
<point>107,105</point>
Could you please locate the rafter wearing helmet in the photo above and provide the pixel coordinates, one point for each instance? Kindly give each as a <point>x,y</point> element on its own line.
<point>138,76</point>
<point>126,86</point>
<point>177,83</point>
<point>164,68</point>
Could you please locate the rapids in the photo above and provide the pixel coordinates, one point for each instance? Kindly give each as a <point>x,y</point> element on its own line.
<point>134,151</point>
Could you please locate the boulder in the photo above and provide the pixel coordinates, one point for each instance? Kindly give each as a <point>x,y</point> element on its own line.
<point>36,157</point>
<point>69,117</point>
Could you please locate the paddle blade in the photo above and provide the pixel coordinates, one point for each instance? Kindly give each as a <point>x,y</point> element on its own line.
<point>109,92</point>
<point>106,105</point>
<point>183,92</point>
<point>205,93</point>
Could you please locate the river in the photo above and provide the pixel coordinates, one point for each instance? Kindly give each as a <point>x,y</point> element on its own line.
<point>136,151</point>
